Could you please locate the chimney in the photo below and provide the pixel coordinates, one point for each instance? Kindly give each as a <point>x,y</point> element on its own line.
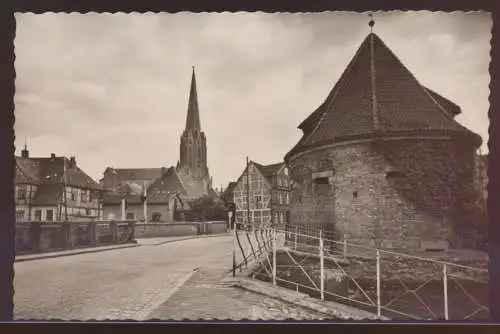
<point>52,155</point>
<point>72,162</point>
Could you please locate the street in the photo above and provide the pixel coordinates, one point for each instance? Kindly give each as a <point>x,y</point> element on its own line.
<point>131,283</point>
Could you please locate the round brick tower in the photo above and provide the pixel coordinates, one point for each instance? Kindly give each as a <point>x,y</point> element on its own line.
<point>383,162</point>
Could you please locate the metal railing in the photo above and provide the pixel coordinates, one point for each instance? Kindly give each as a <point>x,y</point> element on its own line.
<point>391,284</point>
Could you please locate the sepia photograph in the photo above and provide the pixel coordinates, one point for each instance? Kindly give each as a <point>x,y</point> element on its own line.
<point>259,166</point>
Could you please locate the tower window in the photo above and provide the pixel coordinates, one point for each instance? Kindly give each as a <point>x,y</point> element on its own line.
<point>321,180</point>
<point>393,174</point>
<point>355,194</point>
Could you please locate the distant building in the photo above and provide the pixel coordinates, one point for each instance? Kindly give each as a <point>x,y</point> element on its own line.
<point>54,188</point>
<point>383,161</point>
<point>482,177</point>
<point>161,206</point>
<point>189,180</point>
<point>228,198</point>
<point>137,178</point>
<point>262,195</point>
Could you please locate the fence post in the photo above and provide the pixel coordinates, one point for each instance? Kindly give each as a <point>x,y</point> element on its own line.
<point>234,251</point>
<point>445,290</point>
<point>113,226</point>
<point>92,232</point>
<point>322,266</point>
<point>345,245</point>
<point>274,256</point>
<point>295,240</point>
<point>379,313</point>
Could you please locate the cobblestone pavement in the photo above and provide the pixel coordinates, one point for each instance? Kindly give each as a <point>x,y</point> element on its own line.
<point>119,284</point>
<point>167,280</point>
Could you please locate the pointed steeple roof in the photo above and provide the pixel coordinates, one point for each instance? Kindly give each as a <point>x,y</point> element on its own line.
<point>377,95</point>
<point>193,114</point>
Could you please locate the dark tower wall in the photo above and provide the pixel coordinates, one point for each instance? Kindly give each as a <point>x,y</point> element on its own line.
<point>389,193</point>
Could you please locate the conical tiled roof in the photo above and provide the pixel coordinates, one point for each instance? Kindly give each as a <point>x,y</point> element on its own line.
<point>377,95</point>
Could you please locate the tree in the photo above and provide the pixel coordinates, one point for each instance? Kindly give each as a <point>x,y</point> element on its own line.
<point>206,208</point>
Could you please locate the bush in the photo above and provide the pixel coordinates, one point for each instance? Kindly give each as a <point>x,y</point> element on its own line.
<point>206,208</point>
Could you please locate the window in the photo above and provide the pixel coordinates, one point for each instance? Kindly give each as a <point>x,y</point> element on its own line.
<point>258,201</point>
<point>73,192</point>
<point>85,195</point>
<point>321,180</point>
<point>285,171</point>
<point>156,217</point>
<point>88,212</point>
<point>393,174</point>
<point>281,217</point>
<point>19,214</point>
<point>38,215</point>
<point>279,182</point>
<point>21,192</point>
<point>130,216</point>
<point>287,199</point>
<point>49,215</point>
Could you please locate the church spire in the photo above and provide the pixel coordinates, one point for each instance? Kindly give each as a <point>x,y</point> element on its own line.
<point>193,114</point>
<point>25,154</point>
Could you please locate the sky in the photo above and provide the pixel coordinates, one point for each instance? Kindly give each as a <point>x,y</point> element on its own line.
<point>112,89</point>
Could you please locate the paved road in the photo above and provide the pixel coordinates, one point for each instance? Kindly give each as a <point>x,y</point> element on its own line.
<point>137,283</point>
<point>118,284</point>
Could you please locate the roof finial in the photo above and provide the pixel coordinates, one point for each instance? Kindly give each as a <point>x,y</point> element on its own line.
<point>371,23</point>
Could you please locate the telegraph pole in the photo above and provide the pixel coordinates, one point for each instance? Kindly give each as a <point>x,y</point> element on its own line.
<point>64,190</point>
<point>248,193</point>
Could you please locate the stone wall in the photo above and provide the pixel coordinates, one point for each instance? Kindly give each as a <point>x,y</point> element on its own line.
<point>394,193</point>
<point>155,230</point>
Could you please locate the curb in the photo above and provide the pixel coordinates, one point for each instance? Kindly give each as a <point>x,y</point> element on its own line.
<point>332,309</point>
<point>69,253</point>
<point>186,238</point>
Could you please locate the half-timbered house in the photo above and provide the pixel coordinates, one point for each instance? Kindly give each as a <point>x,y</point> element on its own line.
<point>54,188</point>
<point>262,195</point>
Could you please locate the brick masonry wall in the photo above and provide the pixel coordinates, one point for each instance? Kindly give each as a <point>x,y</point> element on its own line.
<point>428,201</point>
<point>153,230</point>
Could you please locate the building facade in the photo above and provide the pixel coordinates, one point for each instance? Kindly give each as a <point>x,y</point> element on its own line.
<point>54,189</point>
<point>262,195</point>
<point>159,208</point>
<point>482,177</point>
<point>382,160</point>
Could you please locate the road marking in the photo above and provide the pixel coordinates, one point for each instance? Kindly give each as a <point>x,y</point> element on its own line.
<point>162,298</point>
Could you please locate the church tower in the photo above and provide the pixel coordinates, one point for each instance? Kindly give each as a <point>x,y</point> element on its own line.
<point>193,147</point>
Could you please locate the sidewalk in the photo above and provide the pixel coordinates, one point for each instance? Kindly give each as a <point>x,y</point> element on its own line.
<point>69,252</point>
<point>205,295</point>
<point>164,240</point>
